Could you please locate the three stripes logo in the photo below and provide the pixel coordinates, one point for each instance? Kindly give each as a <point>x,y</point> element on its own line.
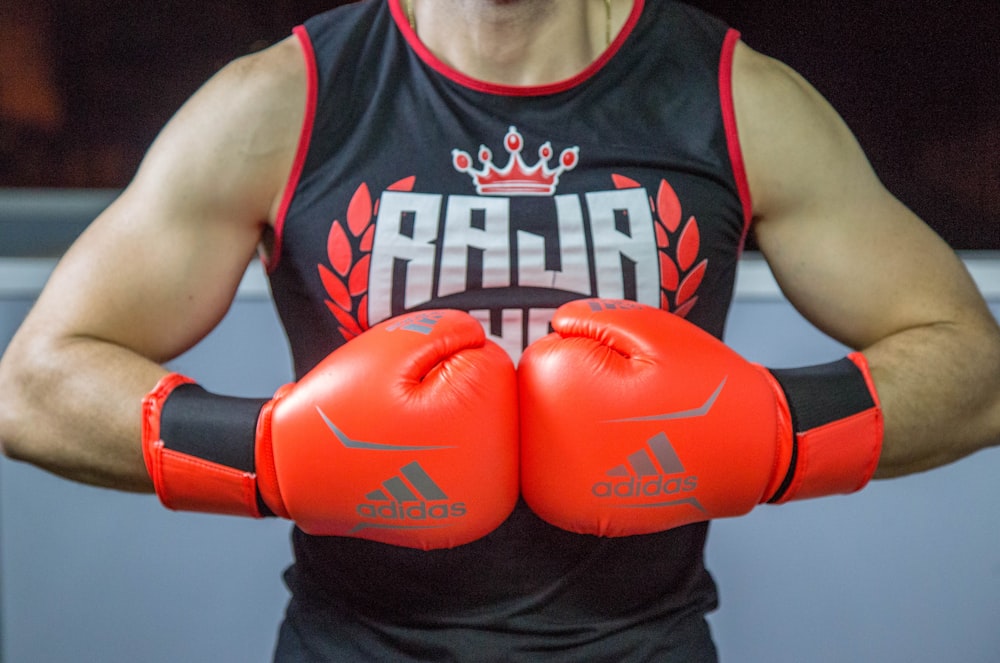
<point>422,323</point>
<point>410,500</point>
<point>653,476</point>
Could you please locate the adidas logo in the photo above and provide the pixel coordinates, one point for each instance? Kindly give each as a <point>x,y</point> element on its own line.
<point>652,472</point>
<point>422,323</point>
<point>411,500</point>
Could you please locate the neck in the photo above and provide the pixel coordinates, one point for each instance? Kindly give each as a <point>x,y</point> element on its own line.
<point>517,42</point>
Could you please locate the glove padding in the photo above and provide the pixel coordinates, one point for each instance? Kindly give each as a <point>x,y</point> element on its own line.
<point>405,435</point>
<point>635,421</point>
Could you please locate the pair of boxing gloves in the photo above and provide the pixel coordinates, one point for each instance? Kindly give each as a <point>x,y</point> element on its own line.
<point>420,432</point>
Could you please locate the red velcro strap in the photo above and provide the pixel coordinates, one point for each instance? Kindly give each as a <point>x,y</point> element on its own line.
<point>187,483</point>
<point>837,458</point>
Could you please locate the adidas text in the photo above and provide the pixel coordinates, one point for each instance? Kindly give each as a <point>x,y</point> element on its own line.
<point>650,487</point>
<point>398,511</point>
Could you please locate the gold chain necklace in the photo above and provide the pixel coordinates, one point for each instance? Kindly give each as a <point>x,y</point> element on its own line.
<point>607,19</point>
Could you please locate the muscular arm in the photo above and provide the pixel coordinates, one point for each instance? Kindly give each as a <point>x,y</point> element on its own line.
<point>865,270</point>
<point>152,275</point>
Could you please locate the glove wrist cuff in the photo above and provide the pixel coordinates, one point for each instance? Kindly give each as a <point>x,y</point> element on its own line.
<point>836,425</point>
<point>199,448</point>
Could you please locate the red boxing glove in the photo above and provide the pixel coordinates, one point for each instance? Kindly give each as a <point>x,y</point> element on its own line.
<point>635,421</point>
<point>406,435</point>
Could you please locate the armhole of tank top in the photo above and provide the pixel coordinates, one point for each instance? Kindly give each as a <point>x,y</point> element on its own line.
<point>302,150</point>
<point>732,131</point>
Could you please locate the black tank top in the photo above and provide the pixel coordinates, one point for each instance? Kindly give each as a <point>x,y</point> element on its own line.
<point>418,187</point>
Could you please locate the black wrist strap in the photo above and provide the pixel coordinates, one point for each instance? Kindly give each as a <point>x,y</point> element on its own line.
<point>818,395</point>
<point>219,429</point>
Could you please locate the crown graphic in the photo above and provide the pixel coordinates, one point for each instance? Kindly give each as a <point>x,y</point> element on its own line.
<point>516,178</point>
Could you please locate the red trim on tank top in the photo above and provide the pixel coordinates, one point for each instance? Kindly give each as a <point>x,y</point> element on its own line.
<point>399,14</point>
<point>305,136</point>
<point>732,134</point>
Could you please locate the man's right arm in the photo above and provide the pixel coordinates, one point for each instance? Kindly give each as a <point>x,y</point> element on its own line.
<point>152,275</point>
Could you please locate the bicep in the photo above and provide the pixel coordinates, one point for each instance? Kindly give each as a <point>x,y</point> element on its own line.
<point>139,280</point>
<point>851,257</point>
<point>158,269</point>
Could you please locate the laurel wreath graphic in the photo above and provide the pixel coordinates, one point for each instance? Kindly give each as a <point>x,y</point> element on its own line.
<point>349,248</point>
<point>680,277</point>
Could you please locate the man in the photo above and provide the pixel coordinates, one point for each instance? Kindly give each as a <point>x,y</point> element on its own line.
<point>364,158</point>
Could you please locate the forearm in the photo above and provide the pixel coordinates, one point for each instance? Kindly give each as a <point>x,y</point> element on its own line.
<point>939,386</point>
<point>72,407</point>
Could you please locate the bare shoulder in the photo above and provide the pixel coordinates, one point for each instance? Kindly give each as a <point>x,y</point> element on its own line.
<point>183,231</point>
<point>235,139</point>
<point>273,78</point>
<point>796,146</point>
<point>846,252</point>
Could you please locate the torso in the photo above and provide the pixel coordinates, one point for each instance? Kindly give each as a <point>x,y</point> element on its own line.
<point>641,196</point>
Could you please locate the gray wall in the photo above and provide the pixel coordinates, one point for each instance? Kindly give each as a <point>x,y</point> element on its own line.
<point>907,570</point>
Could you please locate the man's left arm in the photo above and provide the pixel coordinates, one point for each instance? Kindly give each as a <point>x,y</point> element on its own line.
<point>865,270</point>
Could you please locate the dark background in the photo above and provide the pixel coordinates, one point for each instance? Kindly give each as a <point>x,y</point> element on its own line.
<point>85,86</point>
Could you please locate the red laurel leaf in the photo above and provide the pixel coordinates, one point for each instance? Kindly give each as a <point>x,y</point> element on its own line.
<point>335,288</point>
<point>358,282</point>
<point>691,282</point>
<point>668,206</point>
<point>405,184</point>
<point>338,248</point>
<point>669,276</point>
<point>622,182</point>
<point>688,245</point>
<point>368,239</point>
<point>359,211</point>
<point>348,335</point>
<point>346,321</point>
<point>684,309</point>
<point>662,240</point>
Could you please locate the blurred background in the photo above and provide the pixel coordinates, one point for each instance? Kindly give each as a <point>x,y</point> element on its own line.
<point>85,86</point>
